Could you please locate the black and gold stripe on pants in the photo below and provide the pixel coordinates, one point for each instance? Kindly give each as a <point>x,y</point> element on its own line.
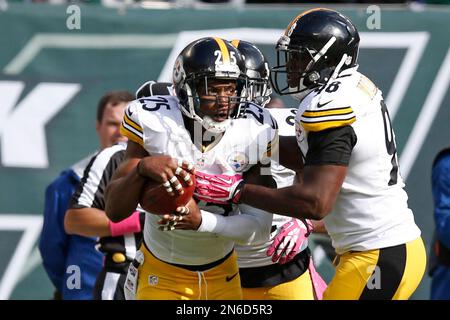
<point>391,273</point>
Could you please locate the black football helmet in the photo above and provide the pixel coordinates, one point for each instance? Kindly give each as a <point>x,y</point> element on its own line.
<point>258,72</point>
<point>315,47</point>
<point>153,88</point>
<point>201,61</point>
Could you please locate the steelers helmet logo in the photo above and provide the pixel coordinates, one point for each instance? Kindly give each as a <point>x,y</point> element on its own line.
<point>178,70</point>
<point>291,29</point>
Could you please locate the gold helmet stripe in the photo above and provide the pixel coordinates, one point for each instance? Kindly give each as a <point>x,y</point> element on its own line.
<point>224,50</point>
<point>301,15</point>
<point>235,43</point>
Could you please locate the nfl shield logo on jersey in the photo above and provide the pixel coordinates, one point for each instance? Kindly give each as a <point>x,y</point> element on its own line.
<point>238,161</point>
<point>152,280</point>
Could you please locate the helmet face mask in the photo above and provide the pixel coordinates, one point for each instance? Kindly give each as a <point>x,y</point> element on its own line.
<point>217,99</point>
<point>259,89</point>
<point>203,64</point>
<point>299,71</point>
<point>316,46</point>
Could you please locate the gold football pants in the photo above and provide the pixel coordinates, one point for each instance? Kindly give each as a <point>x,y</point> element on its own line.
<point>297,289</point>
<point>392,273</point>
<point>158,280</point>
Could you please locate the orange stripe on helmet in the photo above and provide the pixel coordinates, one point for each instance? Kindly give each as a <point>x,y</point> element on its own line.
<point>301,15</point>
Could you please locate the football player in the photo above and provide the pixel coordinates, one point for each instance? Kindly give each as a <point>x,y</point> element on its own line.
<point>261,276</point>
<point>351,168</point>
<point>277,267</point>
<point>200,129</point>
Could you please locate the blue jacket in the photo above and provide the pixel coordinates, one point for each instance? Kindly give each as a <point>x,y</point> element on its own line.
<point>441,195</point>
<point>440,286</point>
<point>60,250</point>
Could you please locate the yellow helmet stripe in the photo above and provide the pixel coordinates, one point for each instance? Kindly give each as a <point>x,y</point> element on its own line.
<point>301,15</point>
<point>235,43</point>
<point>224,50</point>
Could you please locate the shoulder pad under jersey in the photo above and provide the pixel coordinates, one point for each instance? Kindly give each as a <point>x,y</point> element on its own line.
<point>148,112</point>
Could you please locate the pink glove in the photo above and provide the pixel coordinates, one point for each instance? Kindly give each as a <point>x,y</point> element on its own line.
<point>132,224</point>
<point>218,188</point>
<point>289,240</point>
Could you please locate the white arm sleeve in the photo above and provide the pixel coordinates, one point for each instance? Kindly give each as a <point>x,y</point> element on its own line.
<point>250,227</point>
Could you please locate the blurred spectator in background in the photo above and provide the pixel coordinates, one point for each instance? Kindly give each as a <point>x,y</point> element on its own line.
<point>86,216</point>
<point>63,255</point>
<point>440,264</point>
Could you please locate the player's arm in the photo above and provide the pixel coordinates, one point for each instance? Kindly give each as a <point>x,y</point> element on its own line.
<point>251,226</point>
<point>324,172</point>
<point>122,194</point>
<point>247,228</point>
<point>290,155</point>
<point>314,199</point>
<point>86,215</point>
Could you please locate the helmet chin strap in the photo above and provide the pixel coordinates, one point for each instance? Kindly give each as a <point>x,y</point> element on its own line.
<point>338,67</point>
<point>304,91</point>
<point>208,123</point>
<point>336,71</point>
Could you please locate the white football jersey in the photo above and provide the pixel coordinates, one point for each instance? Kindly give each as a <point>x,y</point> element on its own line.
<point>255,255</point>
<point>371,210</point>
<point>157,124</point>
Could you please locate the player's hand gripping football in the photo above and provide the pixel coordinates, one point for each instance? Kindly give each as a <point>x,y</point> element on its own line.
<point>166,170</point>
<point>290,238</point>
<point>188,217</point>
<point>218,188</point>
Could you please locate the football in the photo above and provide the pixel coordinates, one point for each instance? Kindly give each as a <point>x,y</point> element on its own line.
<point>155,199</point>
